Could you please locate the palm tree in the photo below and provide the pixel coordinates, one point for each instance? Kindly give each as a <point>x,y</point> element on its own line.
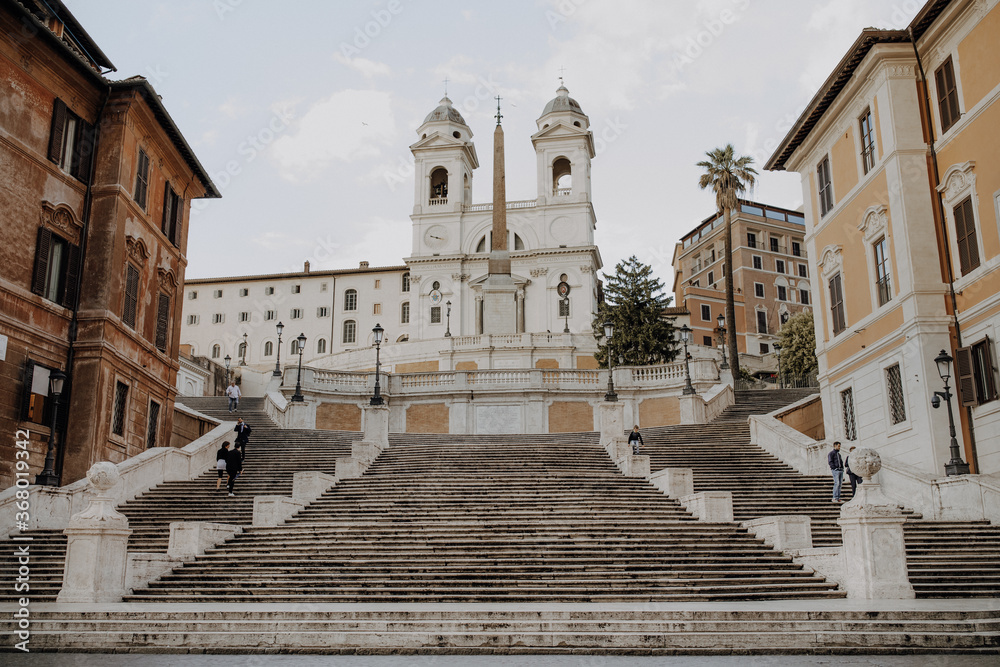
<point>728,176</point>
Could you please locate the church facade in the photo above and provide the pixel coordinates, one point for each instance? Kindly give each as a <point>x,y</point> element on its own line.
<point>434,307</point>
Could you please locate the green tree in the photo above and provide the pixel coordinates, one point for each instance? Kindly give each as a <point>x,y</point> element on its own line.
<point>634,303</point>
<point>728,176</point>
<point>798,345</point>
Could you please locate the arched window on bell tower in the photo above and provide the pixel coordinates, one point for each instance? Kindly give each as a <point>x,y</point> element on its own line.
<point>562,177</point>
<point>439,186</point>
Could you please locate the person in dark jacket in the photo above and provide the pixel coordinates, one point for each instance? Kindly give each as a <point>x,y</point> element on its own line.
<point>243,432</point>
<point>234,466</point>
<point>855,479</point>
<point>635,439</point>
<point>220,462</point>
<point>837,470</point>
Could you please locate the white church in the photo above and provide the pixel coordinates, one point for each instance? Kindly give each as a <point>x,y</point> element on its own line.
<point>463,300</point>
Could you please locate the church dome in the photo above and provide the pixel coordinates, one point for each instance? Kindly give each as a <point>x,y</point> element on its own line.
<point>562,102</point>
<point>446,112</point>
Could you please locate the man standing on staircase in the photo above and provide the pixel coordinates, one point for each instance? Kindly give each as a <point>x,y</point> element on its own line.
<point>233,392</point>
<point>836,469</point>
<point>234,466</point>
<point>242,435</point>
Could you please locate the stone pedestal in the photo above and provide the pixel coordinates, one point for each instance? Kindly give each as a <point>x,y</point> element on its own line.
<point>190,539</point>
<point>310,485</point>
<point>872,527</point>
<point>348,468</point>
<point>674,482</point>
<point>365,451</point>
<point>692,409</point>
<point>274,510</point>
<point>636,466</point>
<point>499,307</point>
<point>300,414</point>
<point>97,546</point>
<point>612,421</point>
<point>784,533</point>
<point>376,424</point>
<point>711,506</point>
<point>618,448</point>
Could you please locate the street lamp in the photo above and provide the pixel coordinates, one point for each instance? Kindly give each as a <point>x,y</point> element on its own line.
<point>243,361</point>
<point>297,396</point>
<point>447,331</point>
<point>777,351</point>
<point>377,397</point>
<point>956,466</point>
<point>609,331</point>
<point>48,476</point>
<point>227,359</point>
<point>277,362</point>
<point>688,387</point>
<point>722,334</point>
<point>565,303</point>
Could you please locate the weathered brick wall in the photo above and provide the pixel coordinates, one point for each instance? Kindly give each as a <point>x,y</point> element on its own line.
<point>663,411</point>
<point>338,417</point>
<point>417,367</point>
<point>586,362</point>
<point>467,366</point>
<point>546,363</point>
<point>570,416</point>
<point>427,418</point>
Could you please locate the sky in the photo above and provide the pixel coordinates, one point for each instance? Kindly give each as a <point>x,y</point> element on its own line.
<point>303,113</point>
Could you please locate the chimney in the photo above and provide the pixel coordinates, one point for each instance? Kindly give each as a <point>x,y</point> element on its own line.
<point>364,265</point>
<point>306,267</point>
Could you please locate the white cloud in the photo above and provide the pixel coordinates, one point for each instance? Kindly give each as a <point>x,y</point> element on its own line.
<point>368,68</point>
<point>348,125</point>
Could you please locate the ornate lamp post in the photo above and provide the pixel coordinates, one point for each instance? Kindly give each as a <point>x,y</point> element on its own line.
<point>609,331</point>
<point>378,331</point>
<point>48,476</point>
<point>565,303</point>
<point>777,352</point>
<point>721,320</point>
<point>447,331</point>
<point>227,359</point>
<point>297,397</point>
<point>243,361</point>
<point>688,387</point>
<point>277,362</point>
<point>956,466</point>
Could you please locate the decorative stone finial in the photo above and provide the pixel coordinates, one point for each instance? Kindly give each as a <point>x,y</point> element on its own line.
<point>103,476</point>
<point>101,511</point>
<point>866,462</point>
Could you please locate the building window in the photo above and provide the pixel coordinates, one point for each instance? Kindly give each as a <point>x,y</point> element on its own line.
<point>153,424</point>
<point>765,348</point>
<point>244,291</point>
<point>782,293</point>
<point>244,317</point>
<point>321,346</point>
<point>751,240</point>
<point>71,141</point>
<point>976,371</point>
<point>804,297</point>
<point>404,313</point>
<point>378,284</point>
<point>296,313</point>
<point>217,294</point>
<point>796,248</point>
<point>296,289</point>
<point>803,271</point>
<point>706,313</point>
<point>376,309</point>
<point>435,314</point>
<point>192,319</point>
<point>758,263</point>
<point>141,180</point>
<point>965,236</point>
<point>268,349</point>
<point>162,321</point>
<point>192,295</point>
<point>351,299</point>
<point>322,311</point>
<point>779,265</point>
<point>131,305</point>
<point>947,94</point>
<point>216,351</point>
<point>867,141</point>
<point>707,341</point>
<point>825,186</point>
<point>322,287</point>
<point>894,384</point>
<point>406,282</point>
<point>762,321</point>
<point>268,291</point>
<point>881,272</point>
<point>350,331</point>
<point>774,245</point>
<point>35,406</point>
<point>241,351</point>
<point>294,347</point>
<point>837,305</point>
<point>847,410</point>
<point>711,277</point>
<point>171,214</point>
<point>118,412</point>
<point>758,290</point>
<point>57,268</point>
<point>269,315</point>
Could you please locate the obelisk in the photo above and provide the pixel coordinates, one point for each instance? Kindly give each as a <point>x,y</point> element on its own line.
<point>499,306</point>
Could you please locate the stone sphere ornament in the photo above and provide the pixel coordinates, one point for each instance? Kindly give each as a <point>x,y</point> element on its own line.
<point>865,462</point>
<point>103,476</point>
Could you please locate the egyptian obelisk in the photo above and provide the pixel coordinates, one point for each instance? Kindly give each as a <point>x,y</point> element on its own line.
<point>499,308</point>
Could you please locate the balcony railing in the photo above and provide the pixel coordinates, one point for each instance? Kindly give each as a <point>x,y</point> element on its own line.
<point>437,201</point>
<point>562,191</point>
<point>523,203</point>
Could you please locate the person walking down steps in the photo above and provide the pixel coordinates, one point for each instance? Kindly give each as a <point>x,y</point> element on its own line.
<point>837,470</point>
<point>234,466</point>
<point>635,439</point>
<point>220,462</point>
<point>243,432</point>
<point>234,393</point>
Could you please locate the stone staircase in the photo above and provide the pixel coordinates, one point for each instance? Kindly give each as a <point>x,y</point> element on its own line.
<point>542,518</point>
<point>944,558</point>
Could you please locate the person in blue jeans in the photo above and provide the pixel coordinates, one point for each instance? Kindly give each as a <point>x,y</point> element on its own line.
<point>635,439</point>
<point>837,470</point>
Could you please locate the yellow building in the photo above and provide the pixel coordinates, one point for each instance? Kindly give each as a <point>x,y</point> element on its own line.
<point>901,184</point>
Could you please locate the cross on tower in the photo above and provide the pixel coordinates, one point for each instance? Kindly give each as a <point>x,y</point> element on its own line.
<point>498,116</point>
<point>562,70</point>
<point>446,86</point>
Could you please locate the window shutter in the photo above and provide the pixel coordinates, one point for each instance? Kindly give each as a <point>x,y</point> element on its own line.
<point>73,259</point>
<point>131,295</point>
<point>162,321</point>
<point>82,152</point>
<point>168,215</point>
<point>56,133</point>
<point>41,260</point>
<point>29,373</point>
<point>965,381</point>
<point>967,237</point>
